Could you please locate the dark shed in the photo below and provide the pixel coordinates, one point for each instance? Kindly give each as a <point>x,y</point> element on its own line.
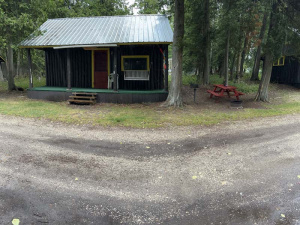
<point>288,72</point>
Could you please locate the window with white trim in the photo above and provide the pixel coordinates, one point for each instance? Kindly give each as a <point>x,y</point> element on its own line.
<point>135,67</point>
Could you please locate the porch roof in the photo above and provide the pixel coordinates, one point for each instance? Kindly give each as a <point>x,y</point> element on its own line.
<point>94,90</point>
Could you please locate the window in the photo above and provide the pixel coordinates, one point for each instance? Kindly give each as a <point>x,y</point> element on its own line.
<point>135,67</point>
<point>280,61</point>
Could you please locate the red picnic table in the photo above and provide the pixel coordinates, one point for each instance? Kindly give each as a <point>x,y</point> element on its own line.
<point>220,89</point>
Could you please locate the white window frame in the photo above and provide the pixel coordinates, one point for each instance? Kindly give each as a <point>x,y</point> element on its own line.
<point>136,74</point>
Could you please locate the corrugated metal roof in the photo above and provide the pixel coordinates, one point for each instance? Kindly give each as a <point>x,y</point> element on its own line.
<point>103,30</point>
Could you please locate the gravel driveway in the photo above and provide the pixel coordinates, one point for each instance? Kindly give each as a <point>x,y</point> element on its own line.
<point>234,173</point>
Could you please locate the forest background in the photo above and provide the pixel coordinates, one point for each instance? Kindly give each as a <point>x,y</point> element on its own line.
<point>227,37</point>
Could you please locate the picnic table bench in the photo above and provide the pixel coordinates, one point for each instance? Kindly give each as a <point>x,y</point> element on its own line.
<point>220,89</point>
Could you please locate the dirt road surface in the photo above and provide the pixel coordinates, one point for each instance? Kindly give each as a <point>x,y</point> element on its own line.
<point>235,173</point>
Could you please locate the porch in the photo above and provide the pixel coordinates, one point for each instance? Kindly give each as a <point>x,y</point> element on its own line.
<point>103,95</point>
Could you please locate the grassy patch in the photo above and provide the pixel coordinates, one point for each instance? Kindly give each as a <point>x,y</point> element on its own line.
<point>189,79</point>
<point>143,115</point>
<point>140,116</point>
<point>24,83</point>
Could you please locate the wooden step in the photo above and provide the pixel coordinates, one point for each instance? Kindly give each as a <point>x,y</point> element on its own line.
<point>82,101</point>
<point>83,97</point>
<point>83,94</point>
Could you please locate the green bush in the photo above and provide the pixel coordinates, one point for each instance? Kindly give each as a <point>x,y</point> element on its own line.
<point>189,79</point>
<point>23,82</point>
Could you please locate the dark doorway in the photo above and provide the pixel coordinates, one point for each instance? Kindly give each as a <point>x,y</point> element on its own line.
<point>101,69</point>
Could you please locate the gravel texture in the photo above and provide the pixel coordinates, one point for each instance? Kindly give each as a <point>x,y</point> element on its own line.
<point>245,172</point>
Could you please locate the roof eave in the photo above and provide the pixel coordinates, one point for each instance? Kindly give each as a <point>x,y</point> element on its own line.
<point>95,45</point>
<point>1,59</point>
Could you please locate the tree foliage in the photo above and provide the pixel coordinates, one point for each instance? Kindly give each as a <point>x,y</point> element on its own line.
<point>154,6</point>
<point>20,18</point>
<point>221,36</point>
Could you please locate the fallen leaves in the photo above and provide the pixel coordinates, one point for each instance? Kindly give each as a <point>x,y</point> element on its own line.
<point>15,221</point>
<point>282,215</point>
<point>194,177</point>
<point>224,182</point>
<point>76,178</point>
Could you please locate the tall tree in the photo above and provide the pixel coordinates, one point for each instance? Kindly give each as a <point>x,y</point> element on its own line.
<point>199,17</point>
<point>226,60</point>
<point>256,65</point>
<point>175,93</point>
<point>283,17</point>
<point>18,19</point>
<point>207,44</point>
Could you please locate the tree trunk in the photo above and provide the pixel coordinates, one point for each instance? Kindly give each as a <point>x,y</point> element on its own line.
<point>1,73</point>
<point>232,67</point>
<point>212,70</point>
<point>226,60</point>
<point>256,65</point>
<point>262,94</point>
<point>18,63</point>
<point>10,68</point>
<point>207,43</point>
<point>4,70</point>
<point>221,67</point>
<point>175,94</point>
<point>238,67</point>
<point>243,56</point>
<point>199,72</point>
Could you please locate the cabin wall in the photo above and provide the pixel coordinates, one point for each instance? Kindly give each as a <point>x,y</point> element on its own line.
<point>156,80</point>
<point>81,67</point>
<point>81,70</point>
<point>287,74</point>
<point>56,69</point>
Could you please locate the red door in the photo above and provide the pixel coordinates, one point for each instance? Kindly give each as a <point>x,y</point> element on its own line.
<point>100,69</point>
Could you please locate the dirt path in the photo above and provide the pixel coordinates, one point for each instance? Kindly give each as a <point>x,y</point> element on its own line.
<point>237,173</point>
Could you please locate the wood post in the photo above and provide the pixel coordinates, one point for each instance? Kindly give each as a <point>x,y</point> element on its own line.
<point>115,70</point>
<point>166,86</point>
<point>68,70</point>
<point>30,68</point>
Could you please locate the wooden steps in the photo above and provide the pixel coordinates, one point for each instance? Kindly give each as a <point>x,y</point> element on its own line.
<point>83,98</point>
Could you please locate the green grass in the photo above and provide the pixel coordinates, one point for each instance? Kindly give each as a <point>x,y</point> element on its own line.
<point>140,115</point>
<point>23,82</point>
<point>189,79</point>
<point>137,116</point>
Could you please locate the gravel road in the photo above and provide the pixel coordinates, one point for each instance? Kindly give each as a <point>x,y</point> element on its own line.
<point>245,172</point>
